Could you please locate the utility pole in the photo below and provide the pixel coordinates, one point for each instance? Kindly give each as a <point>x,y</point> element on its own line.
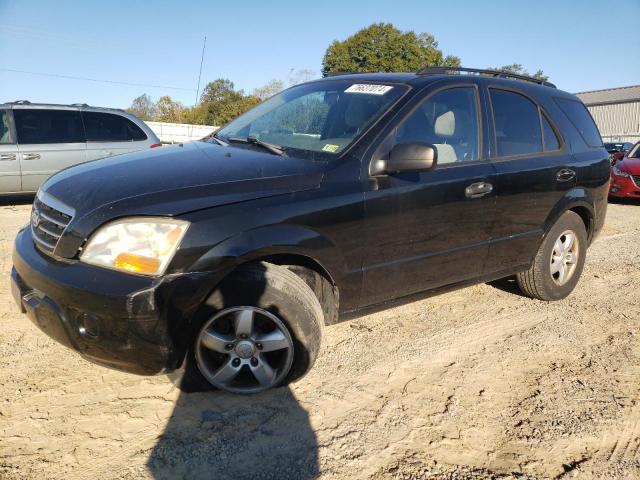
<point>204,45</point>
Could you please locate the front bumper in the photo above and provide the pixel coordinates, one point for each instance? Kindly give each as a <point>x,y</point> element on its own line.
<point>127,322</point>
<point>623,187</point>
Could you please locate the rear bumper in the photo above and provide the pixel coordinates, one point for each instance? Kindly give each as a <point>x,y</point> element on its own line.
<point>127,322</point>
<point>623,187</point>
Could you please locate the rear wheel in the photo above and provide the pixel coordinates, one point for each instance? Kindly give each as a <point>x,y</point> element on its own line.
<point>263,331</point>
<point>558,264</point>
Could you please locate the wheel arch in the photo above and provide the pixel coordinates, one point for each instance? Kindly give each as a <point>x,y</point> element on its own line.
<point>305,252</point>
<point>578,201</point>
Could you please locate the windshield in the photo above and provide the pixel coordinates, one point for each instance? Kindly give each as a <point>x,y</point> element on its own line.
<point>316,120</point>
<point>613,147</point>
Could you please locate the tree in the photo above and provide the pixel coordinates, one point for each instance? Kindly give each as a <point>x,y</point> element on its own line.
<point>381,47</point>
<point>143,107</point>
<point>169,110</point>
<point>220,102</point>
<point>518,69</point>
<point>269,89</point>
<point>220,90</point>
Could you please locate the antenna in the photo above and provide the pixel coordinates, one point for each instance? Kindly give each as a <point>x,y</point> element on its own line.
<point>204,45</point>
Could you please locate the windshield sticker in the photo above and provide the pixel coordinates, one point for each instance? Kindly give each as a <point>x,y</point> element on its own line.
<point>368,89</point>
<point>329,147</point>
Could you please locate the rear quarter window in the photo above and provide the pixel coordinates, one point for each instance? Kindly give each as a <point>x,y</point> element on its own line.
<point>109,127</point>
<point>579,116</point>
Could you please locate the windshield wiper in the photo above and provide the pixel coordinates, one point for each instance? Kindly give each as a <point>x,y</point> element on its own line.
<point>219,140</point>
<point>276,149</point>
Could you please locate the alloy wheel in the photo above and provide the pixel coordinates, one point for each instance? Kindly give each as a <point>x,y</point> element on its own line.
<point>244,350</point>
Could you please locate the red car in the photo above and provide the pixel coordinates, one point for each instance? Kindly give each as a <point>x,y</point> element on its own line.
<point>625,175</point>
<point>617,150</point>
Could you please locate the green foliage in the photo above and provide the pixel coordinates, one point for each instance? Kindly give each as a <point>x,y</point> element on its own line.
<point>381,47</point>
<point>219,104</point>
<point>169,110</point>
<point>519,70</point>
<point>222,103</point>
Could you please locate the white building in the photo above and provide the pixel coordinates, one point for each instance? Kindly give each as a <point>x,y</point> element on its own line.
<point>616,112</point>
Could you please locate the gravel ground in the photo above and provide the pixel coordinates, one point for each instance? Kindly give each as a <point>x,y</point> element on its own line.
<point>478,383</point>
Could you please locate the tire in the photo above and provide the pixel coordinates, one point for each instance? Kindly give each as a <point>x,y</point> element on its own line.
<point>543,280</point>
<point>277,297</point>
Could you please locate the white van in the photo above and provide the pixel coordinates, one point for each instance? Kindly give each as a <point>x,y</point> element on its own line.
<point>37,140</point>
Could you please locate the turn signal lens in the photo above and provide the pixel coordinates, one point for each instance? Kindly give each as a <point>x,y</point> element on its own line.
<point>137,263</point>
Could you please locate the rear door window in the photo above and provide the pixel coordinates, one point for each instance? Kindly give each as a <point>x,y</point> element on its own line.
<point>39,126</point>
<point>108,127</point>
<point>581,119</point>
<point>516,122</point>
<point>5,129</point>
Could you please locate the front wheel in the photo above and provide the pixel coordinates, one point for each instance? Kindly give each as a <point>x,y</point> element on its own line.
<point>558,264</point>
<point>263,331</point>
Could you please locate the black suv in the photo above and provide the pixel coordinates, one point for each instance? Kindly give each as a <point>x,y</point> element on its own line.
<point>225,259</point>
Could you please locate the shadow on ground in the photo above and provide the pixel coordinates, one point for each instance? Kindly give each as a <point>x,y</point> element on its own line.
<point>507,284</point>
<point>26,199</point>
<point>216,435</point>
<point>624,201</point>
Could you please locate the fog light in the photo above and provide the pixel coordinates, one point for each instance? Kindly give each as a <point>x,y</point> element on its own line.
<point>88,326</point>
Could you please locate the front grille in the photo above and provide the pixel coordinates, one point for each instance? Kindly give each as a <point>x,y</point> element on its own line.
<point>636,179</point>
<point>49,219</point>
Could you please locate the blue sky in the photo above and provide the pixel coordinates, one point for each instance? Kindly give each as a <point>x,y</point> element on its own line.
<point>580,45</point>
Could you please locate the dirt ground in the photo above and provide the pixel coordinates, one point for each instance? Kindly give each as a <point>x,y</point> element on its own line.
<point>478,383</point>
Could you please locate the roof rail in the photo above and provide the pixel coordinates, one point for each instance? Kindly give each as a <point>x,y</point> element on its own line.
<point>79,105</point>
<point>20,102</point>
<point>481,71</point>
<point>337,74</point>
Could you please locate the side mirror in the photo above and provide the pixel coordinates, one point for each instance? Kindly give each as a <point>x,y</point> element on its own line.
<point>407,158</point>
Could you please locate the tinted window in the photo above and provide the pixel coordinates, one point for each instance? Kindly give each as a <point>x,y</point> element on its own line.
<point>551,141</point>
<point>449,121</point>
<point>517,124</point>
<point>579,116</point>
<point>107,127</point>
<point>5,131</point>
<point>48,126</point>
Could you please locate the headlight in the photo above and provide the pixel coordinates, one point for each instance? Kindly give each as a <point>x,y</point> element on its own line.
<point>143,245</point>
<point>620,173</point>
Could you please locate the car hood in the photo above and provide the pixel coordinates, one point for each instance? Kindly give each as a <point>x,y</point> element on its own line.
<point>174,180</point>
<point>630,165</point>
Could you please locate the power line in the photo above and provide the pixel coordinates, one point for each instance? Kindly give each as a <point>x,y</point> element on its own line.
<point>86,79</point>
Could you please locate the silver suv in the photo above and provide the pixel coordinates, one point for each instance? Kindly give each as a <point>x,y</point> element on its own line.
<point>37,140</point>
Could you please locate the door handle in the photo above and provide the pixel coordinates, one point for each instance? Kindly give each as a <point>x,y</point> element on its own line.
<point>477,190</point>
<point>30,156</point>
<point>565,175</point>
<point>8,156</point>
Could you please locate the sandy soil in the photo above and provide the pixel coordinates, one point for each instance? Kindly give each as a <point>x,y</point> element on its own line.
<point>478,383</point>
